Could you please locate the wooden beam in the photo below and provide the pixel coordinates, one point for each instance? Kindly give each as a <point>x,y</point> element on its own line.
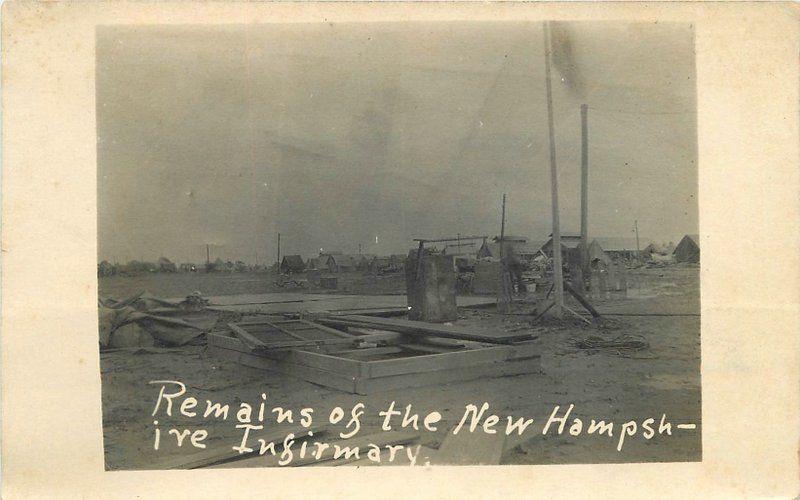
<point>332,331</point>
<point>582,300</point>
<point>422,328</point>
<point>312,375</point>
<point>257,344</point>
<point>456,375</point>
<point>442,361</point>
<point>247,339</point>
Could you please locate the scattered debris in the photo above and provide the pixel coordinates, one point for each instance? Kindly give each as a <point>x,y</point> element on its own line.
<point>143,320</point>
<point>375,354</point>
<point>622,345</point>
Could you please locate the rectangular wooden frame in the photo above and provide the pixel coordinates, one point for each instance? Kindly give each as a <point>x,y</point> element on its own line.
<point>343,369</point>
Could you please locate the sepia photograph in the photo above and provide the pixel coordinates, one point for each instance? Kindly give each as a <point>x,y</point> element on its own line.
<point>411,243</point>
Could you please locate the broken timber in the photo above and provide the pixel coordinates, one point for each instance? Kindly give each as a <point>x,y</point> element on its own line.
<point>430,329</point>
<point>363,364</point>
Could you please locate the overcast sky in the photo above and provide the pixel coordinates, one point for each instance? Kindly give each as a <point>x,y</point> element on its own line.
<point>344,134</point>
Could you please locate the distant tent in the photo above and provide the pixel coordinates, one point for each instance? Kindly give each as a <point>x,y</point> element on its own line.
<point>488,250</point>
<point>597,254</point>
<point>292,264</point>
<point>654,249</point>
<point>688,250</point>
<point>651,249</point>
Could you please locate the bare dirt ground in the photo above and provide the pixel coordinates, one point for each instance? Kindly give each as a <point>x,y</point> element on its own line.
<point>182,284</point>
<point>662,306</point>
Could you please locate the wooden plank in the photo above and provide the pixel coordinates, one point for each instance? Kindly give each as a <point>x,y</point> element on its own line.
<point>365,377</point>
<point>471,448</point>
<point>313,375</point>
<point>524,350</point>
<point>222,453</point>
<point>486,370</point>
<point>247,339</point>
<point>437,362</point>
<point>228,342</point>
<point>259,320</point>
<point>431,349</point>
<point>381,312</point>
<point>257,344</point>
<point>381,439</point>
<point>336,364</point>
<point>284,330</point>
<point>367,352</point>
<point>332,331</point>
<point>421,328</point>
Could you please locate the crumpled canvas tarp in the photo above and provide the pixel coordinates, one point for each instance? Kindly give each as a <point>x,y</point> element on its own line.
<point>169,323</point>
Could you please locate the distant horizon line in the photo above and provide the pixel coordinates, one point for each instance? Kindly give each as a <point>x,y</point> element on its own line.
<point>258,261</point>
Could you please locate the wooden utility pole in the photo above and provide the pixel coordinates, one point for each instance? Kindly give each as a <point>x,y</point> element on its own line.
<point>504,297</point>
<point>279,250</point>
<point>558,278</point>
<point>502,225</point>
<point>638,252</point>
<point>584,190</point>
<point>208,254</point>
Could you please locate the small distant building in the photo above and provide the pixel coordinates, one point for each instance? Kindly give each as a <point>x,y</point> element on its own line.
<point>292,264</point>
<point>570,243</point>
<point>215,267</point>
<point>398,261</point>
<point>341,263</point>
<point>315,263</point>
<point>526,250</point>
<point>465,263</point>
<point>166,266</point>
<point>364,260</point>
<point>188,267</point>
<point>619,248</point>
<point>688,249</point>
<point>379,265</point>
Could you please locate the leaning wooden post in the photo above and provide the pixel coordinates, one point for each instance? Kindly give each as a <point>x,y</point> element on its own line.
<point>558,278</point>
